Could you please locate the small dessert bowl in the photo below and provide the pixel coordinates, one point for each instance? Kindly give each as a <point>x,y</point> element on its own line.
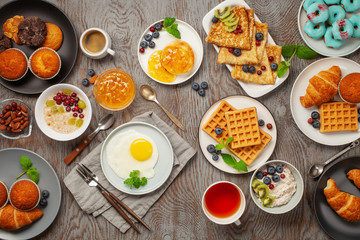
<point>24,195</point>
<point>297,180</point>
<point>16,66</point>
<point>32,68</point>
<point>4,195</point>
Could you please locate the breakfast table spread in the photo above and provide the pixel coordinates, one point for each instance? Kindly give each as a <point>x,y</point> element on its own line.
<point>179,119</point>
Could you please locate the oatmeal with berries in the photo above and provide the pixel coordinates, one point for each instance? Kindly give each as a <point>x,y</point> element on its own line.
<point>64,111</point>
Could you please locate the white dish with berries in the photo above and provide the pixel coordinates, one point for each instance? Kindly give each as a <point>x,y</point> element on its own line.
<point>276,187</point>
<point>301,115</point>
<point>188,34</point>
<point>63,115</point>
<point>240,102</point>
<point>253,90</point>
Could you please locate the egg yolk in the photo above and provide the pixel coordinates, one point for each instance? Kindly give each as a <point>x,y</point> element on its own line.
<point>141,149</point>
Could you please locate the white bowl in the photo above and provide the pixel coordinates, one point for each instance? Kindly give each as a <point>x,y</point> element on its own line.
<point>39,113</point>
<point>295,198</point>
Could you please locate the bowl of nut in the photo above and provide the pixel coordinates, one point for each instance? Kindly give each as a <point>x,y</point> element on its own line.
<point>16,119</point>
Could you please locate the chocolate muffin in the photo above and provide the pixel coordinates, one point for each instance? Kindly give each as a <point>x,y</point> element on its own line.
<point>5,42</point>
<point>32,31</point>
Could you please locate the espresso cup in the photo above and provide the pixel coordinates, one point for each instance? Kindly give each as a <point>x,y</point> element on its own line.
<point>101,52</point>
<point>228,191</point>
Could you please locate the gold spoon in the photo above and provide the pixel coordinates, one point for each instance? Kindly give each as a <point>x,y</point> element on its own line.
<point>149,94</point>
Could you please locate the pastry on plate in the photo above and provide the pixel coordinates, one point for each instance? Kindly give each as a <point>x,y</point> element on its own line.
<point>10,28</point>
<point>54,36</point>
<point>354,175</point>
<point>12,219</point>
<point>45,63</point>
<point>178,57</point>
<point>263,29</point>
<point>5,42</point>
<point>24,195</point>
<point>322,87</point>
<point>274,56</point>
<point>32,31</point>
<point>344,204</point>
<point>13,64</point>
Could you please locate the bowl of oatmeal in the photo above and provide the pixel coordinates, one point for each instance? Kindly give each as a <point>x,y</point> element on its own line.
<point>63,112</point>
<point>276,187</point>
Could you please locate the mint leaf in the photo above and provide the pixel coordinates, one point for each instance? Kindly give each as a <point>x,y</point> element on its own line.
<point>219,146</point>
<point>282,69</point>
<point>240,166</point>
<point>288,50</point>
<point>25,162</point>
<point>228,141</point>
<point>174,31</point>
<point>168,22</point>
<point>305,53</point>
<point>143,181</point>
<point>33,174</point>
<point>228,159</point>
<point>134,173</point>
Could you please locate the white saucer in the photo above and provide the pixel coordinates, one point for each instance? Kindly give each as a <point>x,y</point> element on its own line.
<point>301,114</point>
<point>239,102</point>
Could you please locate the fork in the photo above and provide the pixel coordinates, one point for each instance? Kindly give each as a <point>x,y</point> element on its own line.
<point>92,183</point>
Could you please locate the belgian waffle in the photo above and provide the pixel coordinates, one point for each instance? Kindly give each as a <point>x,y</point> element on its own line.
<point>338,116</point>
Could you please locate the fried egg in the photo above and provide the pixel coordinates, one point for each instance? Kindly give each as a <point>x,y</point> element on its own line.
<point>130,151</point>
<point>157,71</point>
<point>178,57</point>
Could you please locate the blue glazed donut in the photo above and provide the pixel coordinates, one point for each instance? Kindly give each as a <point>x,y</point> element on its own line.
<point>318,13</point>
<point>355,20</point>
<point>308,3</point>
<point>330,2</point>
<point>351,5</point>
<point>342,29</point>
<point>315,31</point>
<point>336,12</point>
<point>330,41</point>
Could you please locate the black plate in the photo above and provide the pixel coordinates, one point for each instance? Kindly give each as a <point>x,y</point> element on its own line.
<point>68,50</point>
<point>333,224</point>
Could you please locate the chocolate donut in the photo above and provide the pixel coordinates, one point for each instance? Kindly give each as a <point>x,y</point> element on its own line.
<point>5,42</point>
<point>32,31</point>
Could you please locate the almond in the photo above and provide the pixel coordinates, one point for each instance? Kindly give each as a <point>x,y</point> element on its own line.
<point>7,115</point>
<point>23,109</point>
<point>17,119</point>
<point>16,130</point>
<point>2,127</point>
<point>26,123</point>
<point>7,121</point>
<point>16,125</point>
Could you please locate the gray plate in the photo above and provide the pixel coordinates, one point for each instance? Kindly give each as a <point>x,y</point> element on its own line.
<point>10,168</point>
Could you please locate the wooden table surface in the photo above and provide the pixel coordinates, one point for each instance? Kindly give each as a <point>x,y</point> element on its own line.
<point>178,213</point>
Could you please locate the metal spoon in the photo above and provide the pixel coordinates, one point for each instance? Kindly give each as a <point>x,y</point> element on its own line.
<point>149,94</point>
<point>317,169</point>
<point>104,124</point>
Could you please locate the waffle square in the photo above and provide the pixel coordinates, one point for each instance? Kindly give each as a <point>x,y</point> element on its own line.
<point>217,119</point>
<point>275,52</point>
<point>338,116</point>
<point>243,127</point>
<point>220,37</point>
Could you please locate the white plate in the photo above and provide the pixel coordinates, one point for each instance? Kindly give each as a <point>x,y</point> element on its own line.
<point>162,168</point>
<point>188,34</point>
<point>253,90</point>
<point>263,113</point>
<point>350,46</point>
<point>301,114</point>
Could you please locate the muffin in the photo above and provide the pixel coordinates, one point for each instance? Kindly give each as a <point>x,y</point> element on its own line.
<point>13,64</point>
<point>24,195</point>
<point>349,88</point>
<point>10,28</point>
<point>3,195</point>
<point>45,63</point>
<point>5,42</point>
<point>54,37</point>
<point>32,31</point>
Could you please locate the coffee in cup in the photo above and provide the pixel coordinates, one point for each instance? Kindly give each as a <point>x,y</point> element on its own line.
<point>95,43</point>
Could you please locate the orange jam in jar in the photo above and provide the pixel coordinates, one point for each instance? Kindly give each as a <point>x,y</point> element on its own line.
<point>114,89</point>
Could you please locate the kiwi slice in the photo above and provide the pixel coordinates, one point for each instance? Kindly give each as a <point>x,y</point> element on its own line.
<point>230,28</point>
<point>263,191</point>
<point>259,187</point>
<point>232,22</point>
<point>222,12</point>
<point>255,183</point>
<point>228,18</point>
<point>268,201</point>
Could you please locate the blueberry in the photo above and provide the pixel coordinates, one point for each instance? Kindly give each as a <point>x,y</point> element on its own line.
<point>214,19</point>
<point>245,68</point>
<point>204,85</point>
<point>267,180</point>
<point>144,44</point>
<point>148,37</point>
<point>211,148</point>
<point>217,152</point>
<point>261,122</point>
<point>316,124</point>
<point>91,72</point>
<point>43,202</point>
<point>315,115</point>
<point>215,157</point>
<point>151,44</point>
<point>156,34</point>
<point>252,69</point>
<point>158,26</point>
<point>237,52</point>
<point>276,178</point>
<point>201,92</point>
<point>259,36</point>
<point>85,82</point>
<point>279,169</point>
<point>259,175</point>
<point>274,66</point>
<point>45,194</point>
<point>271,170</point>
<point>218,131</point>
<point>359,119</point>
<point>195,86</point>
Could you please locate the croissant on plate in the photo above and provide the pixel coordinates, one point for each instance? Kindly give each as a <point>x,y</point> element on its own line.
<point>12,219</point>
<point>354,175</point>
<point>345,205</point>
<point>322,87</point>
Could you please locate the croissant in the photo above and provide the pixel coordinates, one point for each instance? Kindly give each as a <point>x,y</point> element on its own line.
<point>322,87</point>
<point>12,219</point>
<point>345,205</point>
<point>354,175</point>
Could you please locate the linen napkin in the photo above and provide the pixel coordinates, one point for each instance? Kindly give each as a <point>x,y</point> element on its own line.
<point>93,202</point>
